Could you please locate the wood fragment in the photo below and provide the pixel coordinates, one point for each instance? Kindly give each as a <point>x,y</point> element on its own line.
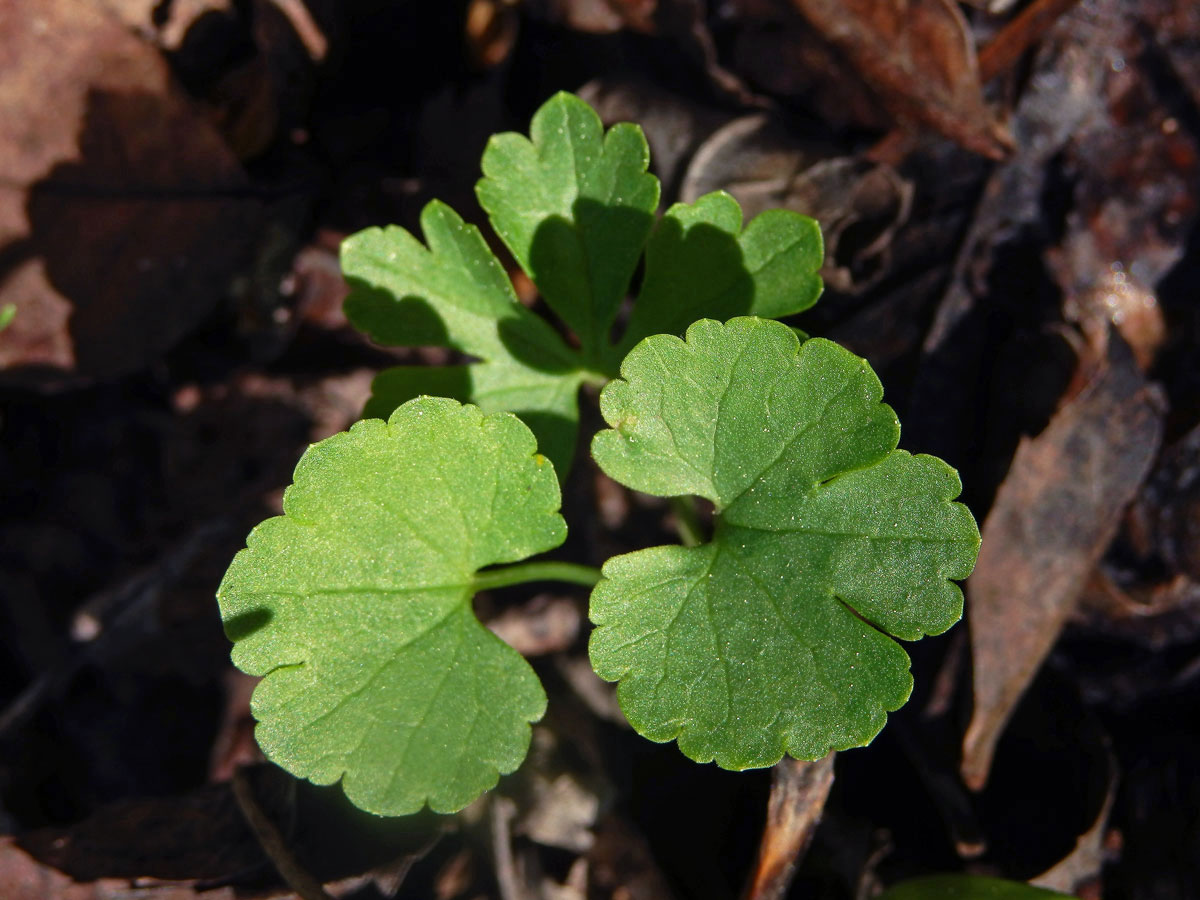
<point>799,790</point>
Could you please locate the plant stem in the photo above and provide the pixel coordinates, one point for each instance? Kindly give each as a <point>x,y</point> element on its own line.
<point>687,521</point>
<point>522,573</point>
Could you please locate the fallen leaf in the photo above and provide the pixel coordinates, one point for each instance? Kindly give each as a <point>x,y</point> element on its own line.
<point>491,28</point>
<point>1053,517</point>
<point>24,878</point>
<point>202,836</point>
<point>1064,91</point>
<point>123,216</point>
<point>598,16</point>
<point>919,58</point>
<point>777,51</point>
<point>684,23</point>
<point>674,124</point>
<point>546,624</point>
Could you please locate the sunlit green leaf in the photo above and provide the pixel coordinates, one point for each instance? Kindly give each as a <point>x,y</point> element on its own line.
<point>454,293</point>
<point>574,205</point>
<point>356,607</point>
<point>772,638</point>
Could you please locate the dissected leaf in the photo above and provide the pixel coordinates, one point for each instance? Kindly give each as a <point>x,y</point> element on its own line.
<point>355,605</point>
<point>965,887</point>
<point>764,165</point>
<point>456,294</point>
<point>574,205</point>
<point>773,637</point>
<point>701,264</point>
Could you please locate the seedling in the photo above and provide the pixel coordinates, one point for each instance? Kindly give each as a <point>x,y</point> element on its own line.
<point>773,636</point>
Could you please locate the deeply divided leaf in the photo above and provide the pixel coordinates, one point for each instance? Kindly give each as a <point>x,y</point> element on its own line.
<point>356,607</point>
<point>772,638</point>
<point>575,206</point>
<point>701,264</point>
<point>454,293</point>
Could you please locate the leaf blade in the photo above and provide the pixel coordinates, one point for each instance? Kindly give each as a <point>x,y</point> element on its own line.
<point>362,596</point>
<point>574,206</point>
<point>454,293</point>
<point>773,637</point>
<point>701,264</point>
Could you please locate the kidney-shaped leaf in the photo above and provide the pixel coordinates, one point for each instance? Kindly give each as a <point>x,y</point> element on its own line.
<point>355,605</point>
<point>773,637</point>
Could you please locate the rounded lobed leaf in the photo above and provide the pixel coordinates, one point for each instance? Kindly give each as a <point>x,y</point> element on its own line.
<point>774,637</point>
<point>355,606</point>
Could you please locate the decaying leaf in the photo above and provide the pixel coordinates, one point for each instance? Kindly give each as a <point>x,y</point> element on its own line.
<point>25,878</point>
<point>919,58</point>
<point>1133,171</point>
<point>123,216</point>
<point>1053,517</point>
<point>1170,506</point>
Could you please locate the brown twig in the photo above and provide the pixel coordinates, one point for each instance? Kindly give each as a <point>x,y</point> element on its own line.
<point>272,841</point>
<point>798,793</point>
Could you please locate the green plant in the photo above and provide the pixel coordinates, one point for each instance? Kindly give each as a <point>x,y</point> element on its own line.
<point>770,637</point>
<point>965,887</point>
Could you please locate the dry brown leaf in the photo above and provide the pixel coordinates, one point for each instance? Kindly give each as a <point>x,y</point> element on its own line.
<point>491,31</point>
<point>1134,172</point>
<point>1054,516</point>
<point>918,57</point>
<point>1170,506</point>
<point>674,125</point>
<point>599,16</point>
<point>24,878</point>
<point>123,215</point>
